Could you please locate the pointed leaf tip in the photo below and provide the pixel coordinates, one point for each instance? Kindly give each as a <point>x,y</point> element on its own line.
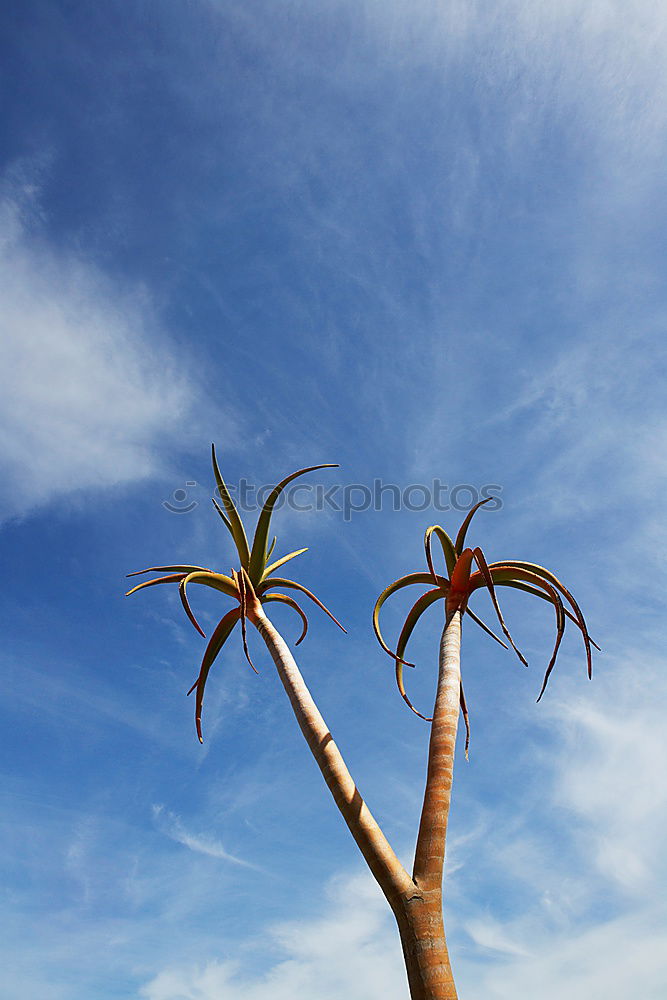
<point>285,599</point>
<point>447,549</point>
<point>275,581</point>
<point>258,556</point>
<point>487,577</point>
<point>235,522</point>
<point>404,581</point>
<point>186,604</point>
<point>463,530</point>
<point>281,562</point>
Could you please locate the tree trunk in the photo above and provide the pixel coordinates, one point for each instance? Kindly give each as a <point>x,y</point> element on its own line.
<point>430,852</point>
<point>425,952</point>
<point>424,944</point>
<point>416,902</point>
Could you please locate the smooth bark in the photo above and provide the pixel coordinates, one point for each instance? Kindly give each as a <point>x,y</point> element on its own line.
<point>430,852</point>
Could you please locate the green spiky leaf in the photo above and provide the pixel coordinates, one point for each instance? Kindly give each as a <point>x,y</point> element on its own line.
<point>414,614</point>
<point>241,580</point>
<point>538,576</point>
<point>409,580</point>
<point>290,602</point>
<point>488,580</point>
<point>217,581</point>
<point>281,562</point>
<point>216,642</point>
<point>258,555</point>
<point>276,581</point>
<point>235,522</point>
<point>549,576</point>
<point>485,627</point>
<point>447,545</point>
<point>170,569</point>
<point>463,530</point>
<point>526,588</point>
<point>509,576</point>
<point>466,719</point>
<point>172,578</point>
<point>227,522</point>
<point>186,604</point>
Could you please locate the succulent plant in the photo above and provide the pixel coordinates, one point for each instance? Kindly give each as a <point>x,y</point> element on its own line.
<point>460,583</point>
<point>253,579</point>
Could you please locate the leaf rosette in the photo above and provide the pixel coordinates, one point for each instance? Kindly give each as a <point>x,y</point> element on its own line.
<point>254,580</point>
<point>466,572</point>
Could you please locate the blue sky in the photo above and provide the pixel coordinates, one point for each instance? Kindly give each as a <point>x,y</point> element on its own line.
<point>420,240</point>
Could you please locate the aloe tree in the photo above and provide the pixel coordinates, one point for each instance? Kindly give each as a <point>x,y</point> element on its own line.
<point>428,966</point>
<point>416,900</point>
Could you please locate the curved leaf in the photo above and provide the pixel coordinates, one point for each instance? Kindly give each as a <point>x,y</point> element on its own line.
<point>258,555</point>
<point>173,578</point>
<point>545,574</point>
<point>286,599</point>
<point>560,630</point>
<point>224,517</point>
<point>448,549</point>
<point>404,581</point>
<point>276,581</point>
<point>271,547</point>
<point>459,583</point>
<point>518,585</point>
<point>219,637</point>
<point>488,580</point>
<point>414,614</point>
<point>217,581</point>
<point>170,569</point>
<point>501,579</point>
<point>466,719</point>
<point>478,621</point>
<point>281,562</point>
<point>186,604</point>
<point>235,523</point>
<point>240,580</point>
<point>463,530</point>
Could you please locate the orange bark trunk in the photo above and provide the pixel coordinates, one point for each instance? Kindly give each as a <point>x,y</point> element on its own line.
<point>425,952</point>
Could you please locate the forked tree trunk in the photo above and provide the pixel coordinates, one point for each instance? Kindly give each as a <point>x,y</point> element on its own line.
<point>415,901</point>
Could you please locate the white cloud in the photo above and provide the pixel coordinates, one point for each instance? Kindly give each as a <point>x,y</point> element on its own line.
<point>603,820</point>
<point>615,781</point>
<point>599,440</point>
<point>89,387</point>
<point>349,950</point>
<point>614,960</point>
<point>172,826</point>
<point>489,934</point>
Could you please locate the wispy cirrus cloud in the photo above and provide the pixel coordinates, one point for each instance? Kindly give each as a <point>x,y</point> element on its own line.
<point>91,393</point>
<point>348,948</point>
<point>608,959</point>
<point>172,825</point>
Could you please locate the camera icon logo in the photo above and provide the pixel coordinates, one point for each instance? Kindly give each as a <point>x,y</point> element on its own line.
<point>178,503</point>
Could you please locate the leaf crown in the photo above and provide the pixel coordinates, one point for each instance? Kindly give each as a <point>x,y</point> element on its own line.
<point>255,577</point>
<point>461,581</point>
